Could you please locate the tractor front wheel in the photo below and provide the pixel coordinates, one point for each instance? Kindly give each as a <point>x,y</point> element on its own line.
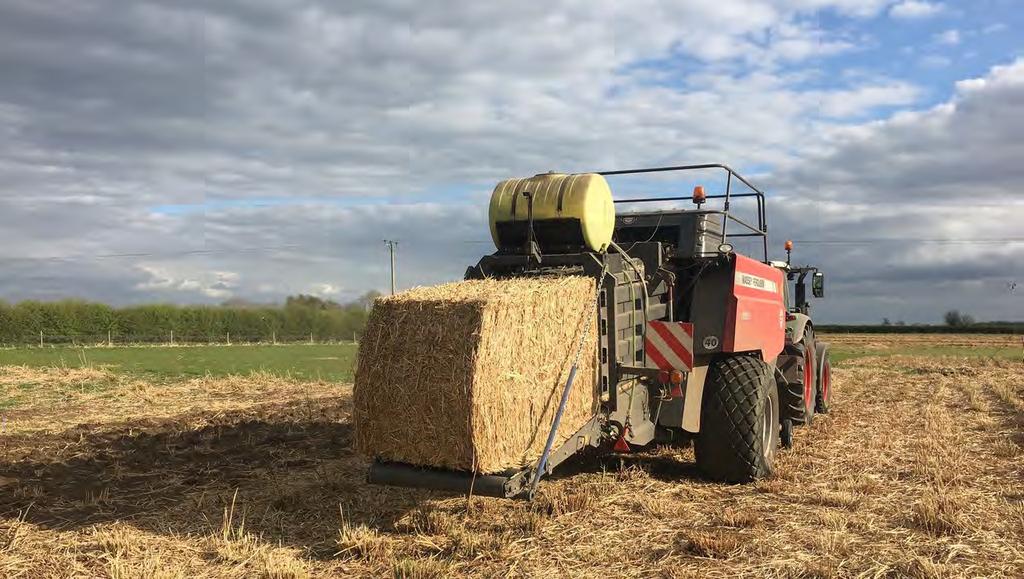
<point>824,400</point>
<point>739,422</point>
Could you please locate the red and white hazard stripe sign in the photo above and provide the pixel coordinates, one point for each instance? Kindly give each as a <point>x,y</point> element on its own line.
<point>669,345</point>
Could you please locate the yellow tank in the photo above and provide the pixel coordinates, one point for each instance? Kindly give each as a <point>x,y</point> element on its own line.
<point>560,201</point>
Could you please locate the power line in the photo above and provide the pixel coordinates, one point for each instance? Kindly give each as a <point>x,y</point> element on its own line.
<point>135,255</point>
<point>271,249</point>
<point>869,240</point>
<point>989,240</point>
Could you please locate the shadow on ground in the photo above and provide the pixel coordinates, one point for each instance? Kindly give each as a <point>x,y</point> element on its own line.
<point>289,468</point>
<point>663,467</point>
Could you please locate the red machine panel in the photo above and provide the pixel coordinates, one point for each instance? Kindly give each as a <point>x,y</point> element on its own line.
<point>756,313</point>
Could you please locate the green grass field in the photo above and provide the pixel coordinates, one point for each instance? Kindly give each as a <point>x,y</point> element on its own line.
<point>842,353</point>
<point>330,362</point>
<point>335,362</point>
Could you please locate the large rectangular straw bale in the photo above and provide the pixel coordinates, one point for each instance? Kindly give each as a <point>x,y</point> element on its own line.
<point>468,375</point>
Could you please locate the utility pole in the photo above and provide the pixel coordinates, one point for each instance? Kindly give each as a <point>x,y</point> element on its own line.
<point>392,244</point>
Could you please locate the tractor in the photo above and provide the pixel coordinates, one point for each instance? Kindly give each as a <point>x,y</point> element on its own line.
<point>805,388</point>
<point>697,343</point>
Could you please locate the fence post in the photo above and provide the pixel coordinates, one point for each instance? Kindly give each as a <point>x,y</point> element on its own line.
<point>40,338</point>
<point>229,338</point>
<point>172,337</point>
<point>109,341</point>
<point>273,337</point>
<point>311,338</point>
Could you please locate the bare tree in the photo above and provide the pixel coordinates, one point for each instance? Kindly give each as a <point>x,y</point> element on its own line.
<point>955,319</point>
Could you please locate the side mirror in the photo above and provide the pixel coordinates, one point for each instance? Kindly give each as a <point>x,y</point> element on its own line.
<point>818,285</point>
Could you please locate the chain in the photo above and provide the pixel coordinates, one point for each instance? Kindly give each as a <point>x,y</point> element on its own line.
<point>587,315</point>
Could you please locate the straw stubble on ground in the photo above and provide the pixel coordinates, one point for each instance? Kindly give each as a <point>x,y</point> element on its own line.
<point>918,472</point>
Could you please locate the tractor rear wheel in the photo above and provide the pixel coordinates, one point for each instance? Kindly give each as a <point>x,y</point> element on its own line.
<point>799,393</point>
<point>824,399</point>
<point>739,421</point>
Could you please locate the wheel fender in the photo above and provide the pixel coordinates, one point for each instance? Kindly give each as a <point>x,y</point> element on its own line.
<point>795,328</point>
<point>821,351</point>
<point>694,397</point>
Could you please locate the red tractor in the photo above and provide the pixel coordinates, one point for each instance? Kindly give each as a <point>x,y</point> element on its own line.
<point>805,387</point>
<point>697,343</point>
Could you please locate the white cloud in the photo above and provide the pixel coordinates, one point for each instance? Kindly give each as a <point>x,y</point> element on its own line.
<point>325,290</point>
<point>915,9</point>
<point>296,135</point>
<point>936,61</point>
<point>863,99</point>
<point>187,279</point>
<point>1006,77</point>
<point>949,37</point>
<point>967,144</point>
<point>796,42</point>
<point>158,279</point>
<point>948,173</point>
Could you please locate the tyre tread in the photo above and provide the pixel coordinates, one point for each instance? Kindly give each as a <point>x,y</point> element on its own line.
<point>729,447</point>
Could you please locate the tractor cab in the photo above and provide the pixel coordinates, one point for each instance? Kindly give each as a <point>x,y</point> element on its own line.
<point>796,297</point>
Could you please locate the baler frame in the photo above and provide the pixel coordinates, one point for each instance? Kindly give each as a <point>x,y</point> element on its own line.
<point>762,221</point>
<point>643,272</point>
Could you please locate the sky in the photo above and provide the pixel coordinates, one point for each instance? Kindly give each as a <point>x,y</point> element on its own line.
<point>193,152</point>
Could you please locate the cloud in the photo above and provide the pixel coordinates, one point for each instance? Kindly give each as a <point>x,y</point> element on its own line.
<point>916,9</point>
<point>168,280</point>
<point>325,289</point>
<point>864,99</point>
<point>964,147</point>
<point>945,176</point>
<point>150,146</point>
<point>167,102</point>
<point>936,61</point>
<point>949,37</point>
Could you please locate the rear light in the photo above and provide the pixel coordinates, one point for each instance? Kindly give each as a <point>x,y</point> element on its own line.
<point>677,380</point>
<point>790,317</point>
<point>664,377</point>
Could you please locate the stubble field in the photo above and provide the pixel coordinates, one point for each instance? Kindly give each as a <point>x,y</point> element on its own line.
<point>918,471</point>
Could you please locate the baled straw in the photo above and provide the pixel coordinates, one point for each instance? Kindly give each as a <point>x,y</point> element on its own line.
<point>468,375</point>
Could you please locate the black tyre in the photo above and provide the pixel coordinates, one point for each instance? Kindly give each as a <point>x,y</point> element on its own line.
<point>798,393</point>
<point>739,421</point>
<point>823,399</point>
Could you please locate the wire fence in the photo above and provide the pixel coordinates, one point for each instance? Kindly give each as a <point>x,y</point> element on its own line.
<point>170,338</point>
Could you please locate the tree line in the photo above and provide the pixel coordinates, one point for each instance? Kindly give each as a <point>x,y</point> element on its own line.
<point>301,317</point>
<point>954,321</point>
